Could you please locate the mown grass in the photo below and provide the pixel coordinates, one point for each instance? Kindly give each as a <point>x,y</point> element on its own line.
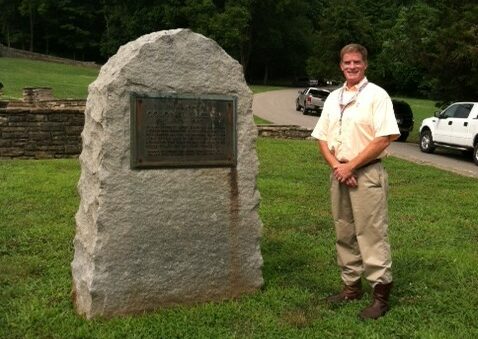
<point>433,235</point>
<point>261,88</point>
<point>67,81</point>
<point>260,121</point>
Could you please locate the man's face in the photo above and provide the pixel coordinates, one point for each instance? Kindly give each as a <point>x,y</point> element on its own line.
<point>353,67</point>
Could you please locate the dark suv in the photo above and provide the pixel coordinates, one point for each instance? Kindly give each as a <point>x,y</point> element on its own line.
<point>404,116</point>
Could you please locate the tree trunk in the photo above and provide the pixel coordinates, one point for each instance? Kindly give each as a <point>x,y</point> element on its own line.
<point>266,73</point>
<point>245,54</point>
<point>31,28</point>
<point>8,35</point>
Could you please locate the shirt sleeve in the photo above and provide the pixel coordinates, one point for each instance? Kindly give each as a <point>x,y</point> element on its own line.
<point>320,131</point>
<point>385,123</point>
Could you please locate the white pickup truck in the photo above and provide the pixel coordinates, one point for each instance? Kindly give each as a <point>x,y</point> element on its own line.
<point>311,99</point>
<point>455,127</point>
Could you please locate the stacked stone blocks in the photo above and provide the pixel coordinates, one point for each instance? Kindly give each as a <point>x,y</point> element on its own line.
<point>40,133</point>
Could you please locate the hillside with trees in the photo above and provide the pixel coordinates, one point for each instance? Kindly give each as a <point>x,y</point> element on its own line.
<point>417,47</point>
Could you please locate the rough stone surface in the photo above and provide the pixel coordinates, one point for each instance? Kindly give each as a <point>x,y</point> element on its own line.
<point>158,237</point>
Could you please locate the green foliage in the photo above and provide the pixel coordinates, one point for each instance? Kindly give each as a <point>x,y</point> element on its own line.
<point>416,47</point>
<point>283,35</point>
<point>67,81</point>
<point>457,44</point>
<point>69,28</point>
<point>127,20</point>
<point>229,24</point>
<point>402,61</point>
<point>432,230</point>
<point>341,23</point>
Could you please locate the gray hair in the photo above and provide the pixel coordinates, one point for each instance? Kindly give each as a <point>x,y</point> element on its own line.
<point>354,48</point>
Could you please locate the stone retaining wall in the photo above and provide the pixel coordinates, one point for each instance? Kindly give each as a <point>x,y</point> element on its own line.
<point>284,131</point>
<point>37,94</point>
<point>40,132</point>
<point>52,129</point>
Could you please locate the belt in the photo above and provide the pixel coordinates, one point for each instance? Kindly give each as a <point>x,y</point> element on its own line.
<point>374,161</point>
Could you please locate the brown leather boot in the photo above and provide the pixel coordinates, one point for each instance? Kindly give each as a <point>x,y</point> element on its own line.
<point>348,293</point>
<point>379,305</point>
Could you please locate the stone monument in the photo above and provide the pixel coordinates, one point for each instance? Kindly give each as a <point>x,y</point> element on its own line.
<point>169,205</point>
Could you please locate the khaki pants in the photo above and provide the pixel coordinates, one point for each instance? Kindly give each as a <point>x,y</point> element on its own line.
<point>361,223</point>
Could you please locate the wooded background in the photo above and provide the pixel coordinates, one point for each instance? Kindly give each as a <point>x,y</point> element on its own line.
<point>416,48</point>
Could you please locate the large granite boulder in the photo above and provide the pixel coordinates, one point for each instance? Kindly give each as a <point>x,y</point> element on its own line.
<point>149,238</point>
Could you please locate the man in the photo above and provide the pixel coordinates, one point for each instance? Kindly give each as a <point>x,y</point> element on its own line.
<point>356,126</point>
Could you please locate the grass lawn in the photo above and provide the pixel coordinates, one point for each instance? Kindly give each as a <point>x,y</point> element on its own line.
<point>260,121</point>
<point>67,81</point>
<point>260,88</point>
<point>433,234</point>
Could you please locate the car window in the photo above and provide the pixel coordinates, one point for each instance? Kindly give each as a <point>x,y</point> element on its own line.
<point>457,111</point>
<point>317,93</point>
<point>449,112</point>
<point>463,111</point>
<point>314,92</point>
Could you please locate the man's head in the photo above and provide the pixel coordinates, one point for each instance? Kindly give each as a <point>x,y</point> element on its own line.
<point>353,63</point>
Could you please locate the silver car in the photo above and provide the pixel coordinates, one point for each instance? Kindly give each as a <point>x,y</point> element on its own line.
<point>311,99</point>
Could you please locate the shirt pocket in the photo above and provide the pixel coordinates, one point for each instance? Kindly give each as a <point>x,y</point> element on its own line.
<point>362,118</point>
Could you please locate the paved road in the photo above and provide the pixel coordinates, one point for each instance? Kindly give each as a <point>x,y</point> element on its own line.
<point>278,107</point>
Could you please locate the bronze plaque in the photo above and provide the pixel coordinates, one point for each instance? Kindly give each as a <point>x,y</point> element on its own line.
<point>172,130</point>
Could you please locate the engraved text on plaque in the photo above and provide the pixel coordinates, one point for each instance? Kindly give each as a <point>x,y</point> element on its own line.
<point>172,130</point>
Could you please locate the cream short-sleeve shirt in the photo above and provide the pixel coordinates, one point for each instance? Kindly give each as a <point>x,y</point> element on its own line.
<point>369,116</point>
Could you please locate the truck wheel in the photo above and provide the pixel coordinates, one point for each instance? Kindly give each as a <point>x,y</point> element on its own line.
<point>475,154</point>
<point>426,142</point>
<point>305,111</point>
<point>297,106</point>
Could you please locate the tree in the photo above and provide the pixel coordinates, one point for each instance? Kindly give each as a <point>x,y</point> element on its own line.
<point>282,34</point>
<point>79,28</point>
<point>424,47</point>
<point>341,23</point>
<point>232,30</point>
<point>127,20</point>
<point>30,9</point>
<point>9,17</point>
<point>406,50</point>
<point>454,63</point>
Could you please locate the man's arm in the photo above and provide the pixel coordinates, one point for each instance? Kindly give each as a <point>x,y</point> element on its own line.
<point>327,154</point>
<point>334,164</point>
<point>343,171</point>
<point>371,152</point>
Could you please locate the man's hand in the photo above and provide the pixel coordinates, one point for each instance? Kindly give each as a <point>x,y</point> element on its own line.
<point>343,172</point>
<point>351,182</point>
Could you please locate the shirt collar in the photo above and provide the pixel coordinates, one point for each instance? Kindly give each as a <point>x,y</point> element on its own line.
<point>356,87</point>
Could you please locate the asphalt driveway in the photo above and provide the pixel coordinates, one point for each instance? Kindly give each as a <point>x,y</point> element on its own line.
<point>278,107</point>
